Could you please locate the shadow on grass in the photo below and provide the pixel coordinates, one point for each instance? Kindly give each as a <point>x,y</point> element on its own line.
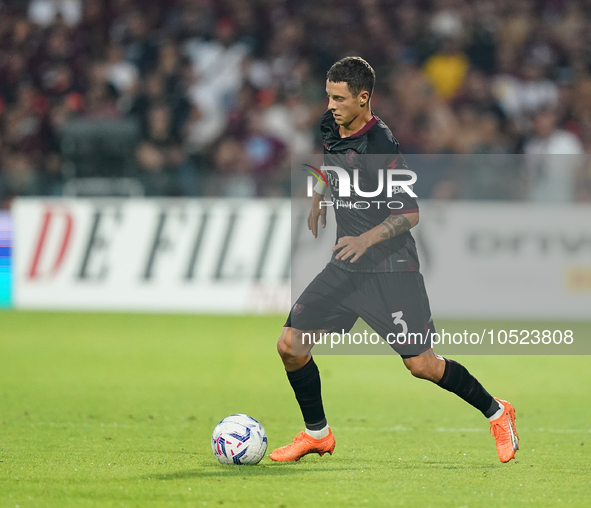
<point>231,471</point>
<point>291,468</point>
<point>444,465</point>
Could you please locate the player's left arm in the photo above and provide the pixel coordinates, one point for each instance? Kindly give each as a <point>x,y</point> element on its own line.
<point>355,246</point>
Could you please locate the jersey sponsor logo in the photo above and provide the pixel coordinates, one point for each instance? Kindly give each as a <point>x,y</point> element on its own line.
<point>352,156</point>
<point>393,164</point>
<point>297,308</point>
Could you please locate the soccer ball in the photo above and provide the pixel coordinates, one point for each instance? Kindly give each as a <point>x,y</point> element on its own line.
<point>239,439</point>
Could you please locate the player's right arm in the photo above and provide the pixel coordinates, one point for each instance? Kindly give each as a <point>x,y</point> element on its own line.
<point>315,212</point>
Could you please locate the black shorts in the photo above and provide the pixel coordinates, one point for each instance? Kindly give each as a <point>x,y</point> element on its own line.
<point>394,304</point>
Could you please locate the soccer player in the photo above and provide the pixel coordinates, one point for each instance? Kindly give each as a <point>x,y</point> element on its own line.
<point>373,274</point>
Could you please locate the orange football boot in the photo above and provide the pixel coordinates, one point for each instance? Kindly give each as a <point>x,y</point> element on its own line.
<point>504,431</point>
<point>303,444</point>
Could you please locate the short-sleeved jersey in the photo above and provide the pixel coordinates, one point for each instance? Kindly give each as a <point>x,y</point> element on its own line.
<point>370,149</point>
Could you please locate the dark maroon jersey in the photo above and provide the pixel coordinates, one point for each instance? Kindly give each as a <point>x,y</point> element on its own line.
<point>367,151</point>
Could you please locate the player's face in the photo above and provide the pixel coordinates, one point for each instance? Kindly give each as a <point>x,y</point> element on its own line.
<point>343,105</point>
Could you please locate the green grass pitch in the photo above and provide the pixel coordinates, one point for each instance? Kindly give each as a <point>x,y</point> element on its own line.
<point>117,410</point>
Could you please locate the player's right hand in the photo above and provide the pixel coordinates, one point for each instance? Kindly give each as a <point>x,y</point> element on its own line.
<point>315,212</point>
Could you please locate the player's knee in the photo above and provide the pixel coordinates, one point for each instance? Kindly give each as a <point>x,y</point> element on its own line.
<point>420,368</point>
<point>284,345</point>
<point>419,372</point>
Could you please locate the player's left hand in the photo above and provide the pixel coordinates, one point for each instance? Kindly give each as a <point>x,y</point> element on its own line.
<point>350,246</point>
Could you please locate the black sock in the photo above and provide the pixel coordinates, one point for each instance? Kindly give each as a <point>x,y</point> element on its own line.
<point>458,380</point>
<point>306,386</point>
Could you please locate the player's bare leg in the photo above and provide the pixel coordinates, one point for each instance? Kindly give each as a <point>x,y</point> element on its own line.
<point>454,377</point>
<point>294,349</point>
<point>427,365</point>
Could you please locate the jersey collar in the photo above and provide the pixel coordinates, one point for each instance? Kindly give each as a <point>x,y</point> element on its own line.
<point>361,131</point>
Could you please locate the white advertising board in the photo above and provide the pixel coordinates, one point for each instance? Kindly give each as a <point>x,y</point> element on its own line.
<point>152,255</point>
<point>506,260</point>
<point>481,260</point>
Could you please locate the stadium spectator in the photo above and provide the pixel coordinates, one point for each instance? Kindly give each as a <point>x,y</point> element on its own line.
<point>232,176</point>
<point>121,73</point>
<point>553,160</point>
<point>152,165</point>
<point>265,153</point>
<point>45,12</point>
<point>522,95</point>
<point>218,67</point>
<point>447,69</point>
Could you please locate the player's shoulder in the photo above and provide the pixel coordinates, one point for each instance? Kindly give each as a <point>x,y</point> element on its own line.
<point>380,139</point>
<point>327,121</point>
<point>327,125</point>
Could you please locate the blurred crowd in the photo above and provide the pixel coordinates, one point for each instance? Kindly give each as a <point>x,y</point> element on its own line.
<point>223,91</point>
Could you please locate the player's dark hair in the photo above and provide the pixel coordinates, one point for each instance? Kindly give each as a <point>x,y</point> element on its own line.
<point>354,71</point>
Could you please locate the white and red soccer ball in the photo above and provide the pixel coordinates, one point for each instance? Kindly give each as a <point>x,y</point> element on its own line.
<point>239,439</point>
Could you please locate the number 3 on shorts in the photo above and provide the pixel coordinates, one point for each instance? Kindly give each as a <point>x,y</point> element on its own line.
<point>399,321</point>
